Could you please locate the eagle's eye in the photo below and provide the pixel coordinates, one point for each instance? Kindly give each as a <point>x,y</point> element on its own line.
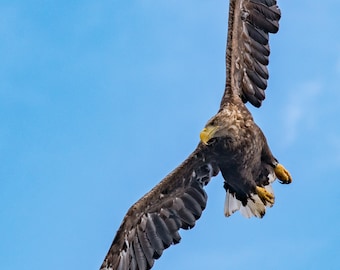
<point>212,141</point>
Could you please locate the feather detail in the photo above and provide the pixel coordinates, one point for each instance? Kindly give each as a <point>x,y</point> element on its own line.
<point>254,206</point>
<point>231,204</point>
<point>247,54</point>
<point>143,236</point>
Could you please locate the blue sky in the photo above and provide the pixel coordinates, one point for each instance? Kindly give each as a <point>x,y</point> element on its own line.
<point>99,100</point>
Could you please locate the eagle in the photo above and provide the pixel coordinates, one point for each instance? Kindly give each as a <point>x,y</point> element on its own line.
<point>230,143</point>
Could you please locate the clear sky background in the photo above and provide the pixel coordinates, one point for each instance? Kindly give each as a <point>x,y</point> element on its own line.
<point>99,100</point>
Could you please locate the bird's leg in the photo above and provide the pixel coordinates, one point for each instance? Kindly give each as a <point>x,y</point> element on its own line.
<point>282,174</point>
<point>265,195</point>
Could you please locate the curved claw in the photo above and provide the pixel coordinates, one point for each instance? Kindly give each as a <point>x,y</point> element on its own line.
<point>265,195</point>
<point>282,174</point>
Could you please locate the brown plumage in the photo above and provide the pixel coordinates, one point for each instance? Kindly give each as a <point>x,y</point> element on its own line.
<point>230,142</point>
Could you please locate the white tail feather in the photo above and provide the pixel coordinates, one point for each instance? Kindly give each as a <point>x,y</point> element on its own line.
<point>245,211</point>
<point>254,207</point>
<point>231,204</point>
<point>271,177</point>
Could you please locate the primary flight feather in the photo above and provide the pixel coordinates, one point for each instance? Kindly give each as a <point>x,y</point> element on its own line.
<point>231,143</point>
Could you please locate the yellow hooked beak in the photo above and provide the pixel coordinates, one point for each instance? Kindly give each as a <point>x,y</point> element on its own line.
<point>208,133</point>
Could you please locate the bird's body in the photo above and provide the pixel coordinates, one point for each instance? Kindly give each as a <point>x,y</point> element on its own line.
<point>242,154</point>
<point>231,142</point>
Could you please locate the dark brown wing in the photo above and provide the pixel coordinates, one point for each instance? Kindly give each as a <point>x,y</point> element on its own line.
<point>152,224</point>
<point>247,54</point>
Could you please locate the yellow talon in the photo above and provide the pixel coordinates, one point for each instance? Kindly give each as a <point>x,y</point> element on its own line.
<point>265,195</point>
<point>282,174</point>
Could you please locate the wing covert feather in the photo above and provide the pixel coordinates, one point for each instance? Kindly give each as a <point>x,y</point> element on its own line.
<point>152,224</point>
<point>247,55</point>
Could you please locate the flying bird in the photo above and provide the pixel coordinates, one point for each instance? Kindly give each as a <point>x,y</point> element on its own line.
<point>230,143</point>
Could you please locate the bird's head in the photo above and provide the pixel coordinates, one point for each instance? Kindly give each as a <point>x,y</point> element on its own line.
<point>230,123</point>
<point>212,130</point>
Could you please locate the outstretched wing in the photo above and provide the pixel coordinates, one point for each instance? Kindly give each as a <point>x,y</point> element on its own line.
<point>250,22</point>
<point>152,224</point>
